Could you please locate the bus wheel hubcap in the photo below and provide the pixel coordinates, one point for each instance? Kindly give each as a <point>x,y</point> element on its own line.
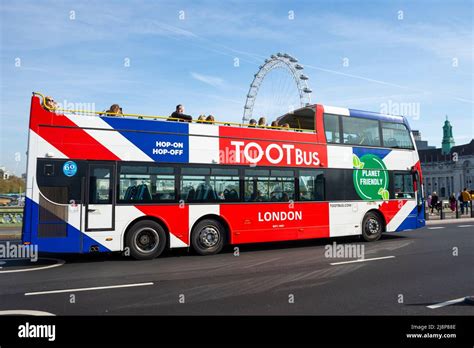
<point>147,240</point>
<point>372,226</point>
<point>209,236</point>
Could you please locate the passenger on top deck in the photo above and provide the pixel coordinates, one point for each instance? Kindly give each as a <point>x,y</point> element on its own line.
<point>50,103</point>
<point>210,119</point>
<point>262,122</point>
<point>201,119</point>
<point>179,115</point>
<point>274,123</point>
<point>252,123</point>
<point>115,110</point>
<point>286,125</point>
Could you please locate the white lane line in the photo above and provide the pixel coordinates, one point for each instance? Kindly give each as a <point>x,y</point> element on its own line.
<point>435,228</point>
<point>446,303</point>
<point>59,263</point>
<point>25,312</point>
<point>362,260</point>
<point>465,225</point>
<point>87,289</point>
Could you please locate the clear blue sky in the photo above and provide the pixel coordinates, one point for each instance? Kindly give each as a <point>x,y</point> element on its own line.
<point>424,60</point>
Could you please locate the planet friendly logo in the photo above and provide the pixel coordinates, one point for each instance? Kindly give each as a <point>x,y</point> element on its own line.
<point>370,177</point>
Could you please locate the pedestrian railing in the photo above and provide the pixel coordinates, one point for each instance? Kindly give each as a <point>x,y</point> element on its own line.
<point>444,211</point>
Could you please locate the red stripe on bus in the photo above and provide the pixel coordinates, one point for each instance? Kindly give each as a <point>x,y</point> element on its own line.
<point>174,217</point>
<point>267,134</point>
<point>71,140</point>
<point>390,208</point>
<point>253,223</point>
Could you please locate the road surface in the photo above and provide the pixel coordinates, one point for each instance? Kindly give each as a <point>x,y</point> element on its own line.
<point>423,272</point>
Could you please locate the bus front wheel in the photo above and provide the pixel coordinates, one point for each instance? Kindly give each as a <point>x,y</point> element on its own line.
<point>372,227</point>
<point>208,237</point>
<point>146,240</point>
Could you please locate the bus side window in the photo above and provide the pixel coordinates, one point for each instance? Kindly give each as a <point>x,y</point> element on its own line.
<point>396,135</point>
<point>403,186</point>
<point>360,131</point>
<point>311,185</point>
<point>140,183</point>
<point>332,128</point>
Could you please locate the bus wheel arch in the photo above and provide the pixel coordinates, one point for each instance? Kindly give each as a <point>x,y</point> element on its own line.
<point>217,230</point>
<point>373,225</point>
<point>140,235</point>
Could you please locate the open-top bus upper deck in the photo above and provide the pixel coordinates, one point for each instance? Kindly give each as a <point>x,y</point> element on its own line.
<point>314,129</point>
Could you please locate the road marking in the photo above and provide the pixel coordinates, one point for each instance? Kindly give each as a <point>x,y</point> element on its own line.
<point>25,312</point>
<point>435,228</point>
<point>59,263</point>
<point>87,289</point>
<point>446,303</point>
<point>465,225</point>
<point>362,260</point>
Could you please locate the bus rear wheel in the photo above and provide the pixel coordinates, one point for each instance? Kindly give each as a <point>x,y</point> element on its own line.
<point>208,237</point>
<point>146,240</point>
<point>372,227</point>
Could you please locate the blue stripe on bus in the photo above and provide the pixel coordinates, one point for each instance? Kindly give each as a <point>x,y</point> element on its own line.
<point>421,222</point>
<point>410,222</point>
<point>28,216</point>
<point>74,242</point>
<point>361,151</point>
<point>375,116</point>
<point>161,147</point>
<point>133,124</point>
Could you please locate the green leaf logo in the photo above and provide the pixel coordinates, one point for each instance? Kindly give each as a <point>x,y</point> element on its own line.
<point>356,162</point>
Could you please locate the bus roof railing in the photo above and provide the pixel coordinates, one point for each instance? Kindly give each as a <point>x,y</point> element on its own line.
<point>167,118</point>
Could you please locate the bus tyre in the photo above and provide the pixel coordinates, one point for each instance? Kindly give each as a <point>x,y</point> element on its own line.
<point>372,227</point>
<point>146,240</point>
<point>208,237</point>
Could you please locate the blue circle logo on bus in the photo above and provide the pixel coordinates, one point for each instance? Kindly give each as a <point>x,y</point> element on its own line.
<point>70,168</point>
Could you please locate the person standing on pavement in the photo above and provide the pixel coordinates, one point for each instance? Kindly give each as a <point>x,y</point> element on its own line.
<point>466,198</point>
<point>452,202</point>
<point>434,201</point>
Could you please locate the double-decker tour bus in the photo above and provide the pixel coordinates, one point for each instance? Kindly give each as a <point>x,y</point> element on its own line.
<point>101,182</point>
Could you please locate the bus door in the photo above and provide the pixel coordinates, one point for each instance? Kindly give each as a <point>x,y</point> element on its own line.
<point>59,206</point>
<point>100,197</point>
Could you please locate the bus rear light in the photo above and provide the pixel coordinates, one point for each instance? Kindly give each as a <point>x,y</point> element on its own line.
<point>108,239</point>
